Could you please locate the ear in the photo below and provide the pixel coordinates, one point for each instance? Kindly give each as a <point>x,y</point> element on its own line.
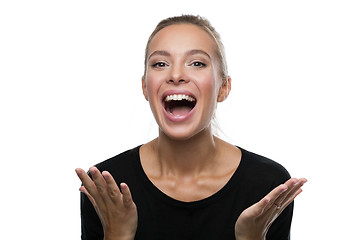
<point>143,83</point>
<point>224,89</point>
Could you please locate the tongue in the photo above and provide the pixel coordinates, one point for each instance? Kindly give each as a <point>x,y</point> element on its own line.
<point>180,110</point>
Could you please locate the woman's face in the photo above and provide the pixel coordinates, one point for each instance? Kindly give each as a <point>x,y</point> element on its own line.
<point>182,81</point>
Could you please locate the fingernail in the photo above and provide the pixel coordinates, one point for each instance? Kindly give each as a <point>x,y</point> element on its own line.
<point>105,174</point>
<point>92,170</point>
<point>78,171</point>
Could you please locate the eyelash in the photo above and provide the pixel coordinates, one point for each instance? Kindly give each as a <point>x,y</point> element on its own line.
<point>198,64</point>
<point>159,65</point>
<point>163,64</point>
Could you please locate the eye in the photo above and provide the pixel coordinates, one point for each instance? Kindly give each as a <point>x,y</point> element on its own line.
<point>198,64</point>
<point>159,65</point>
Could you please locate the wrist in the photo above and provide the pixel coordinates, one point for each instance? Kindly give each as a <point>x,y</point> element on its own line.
<point>249,238</point>
<point>117,237</point>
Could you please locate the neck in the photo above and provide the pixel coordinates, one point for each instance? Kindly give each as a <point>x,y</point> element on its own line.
<point>186,157</point>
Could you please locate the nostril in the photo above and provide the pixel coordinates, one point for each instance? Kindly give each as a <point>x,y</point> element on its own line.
<point>177,81</point>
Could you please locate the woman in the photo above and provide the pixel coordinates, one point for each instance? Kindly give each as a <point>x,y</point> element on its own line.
<point>187,183</point>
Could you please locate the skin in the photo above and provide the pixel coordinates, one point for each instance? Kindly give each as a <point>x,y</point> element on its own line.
<point>116,210</point>
<point>189,63</point>
<point>180,63</point>
<point>186,161</point>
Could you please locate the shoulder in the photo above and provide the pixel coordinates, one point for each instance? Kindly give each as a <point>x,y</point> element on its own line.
<point>263,163</point>
<point>263,168</point>
<point>121,163</point>
<point>256,176</point>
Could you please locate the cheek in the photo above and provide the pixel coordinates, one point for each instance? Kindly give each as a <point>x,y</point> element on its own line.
<point>210,85</point>
<point>151,86</point>
<point>151,91</point>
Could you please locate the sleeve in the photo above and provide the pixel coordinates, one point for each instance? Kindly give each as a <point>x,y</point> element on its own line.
<point>91,228</point>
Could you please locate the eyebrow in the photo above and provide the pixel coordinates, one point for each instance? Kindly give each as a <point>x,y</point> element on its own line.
<point>198,51</point>
<point>160,53</point>
<point>188,53</point>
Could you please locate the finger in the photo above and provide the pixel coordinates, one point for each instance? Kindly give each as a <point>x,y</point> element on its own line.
<point>112,188</point>
<point>92,200</point>
<point>290,196</point>
<point>295,192</point>
<point>87,182</point>
<point>99,182</point>
<point>82,175</point>
<point>291,184</point>
<point>275,194</point>
<point>275,207</point>
<point>288,202</point>
<point>127,199</point>
<point>261,206</point>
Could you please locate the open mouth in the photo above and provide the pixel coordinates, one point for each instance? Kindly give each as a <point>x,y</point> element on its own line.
<point>179,104</point>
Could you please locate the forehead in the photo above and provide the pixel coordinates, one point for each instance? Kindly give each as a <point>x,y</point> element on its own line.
<point>182,37</point>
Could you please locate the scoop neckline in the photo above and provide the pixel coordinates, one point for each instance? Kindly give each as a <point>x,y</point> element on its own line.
<point>160,195</point>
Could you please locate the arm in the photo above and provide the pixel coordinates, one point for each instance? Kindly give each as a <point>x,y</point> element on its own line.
<point>255,221</point>
<point>116,209</point>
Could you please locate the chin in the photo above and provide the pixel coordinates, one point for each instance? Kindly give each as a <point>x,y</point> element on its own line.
<point>176,135</point>
<point>182,134</point>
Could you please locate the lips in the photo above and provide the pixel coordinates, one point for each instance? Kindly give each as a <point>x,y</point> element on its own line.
<point>178,105</point>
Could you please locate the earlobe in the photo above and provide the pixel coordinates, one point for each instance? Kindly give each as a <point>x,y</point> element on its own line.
<point>224,90</point>
<point>143,83</point>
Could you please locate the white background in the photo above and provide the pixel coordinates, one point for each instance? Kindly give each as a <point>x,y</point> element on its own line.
<point>70,96</point>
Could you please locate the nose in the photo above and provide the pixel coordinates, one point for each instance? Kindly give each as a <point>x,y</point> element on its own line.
<point>177,75</point>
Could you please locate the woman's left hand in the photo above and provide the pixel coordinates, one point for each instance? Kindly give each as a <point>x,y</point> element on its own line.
<point>255,221</point>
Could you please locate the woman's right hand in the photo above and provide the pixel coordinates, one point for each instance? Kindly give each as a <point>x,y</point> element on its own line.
<point>115,208</point>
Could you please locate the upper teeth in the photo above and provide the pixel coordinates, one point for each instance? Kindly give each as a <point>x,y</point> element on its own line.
<point>179,97</point>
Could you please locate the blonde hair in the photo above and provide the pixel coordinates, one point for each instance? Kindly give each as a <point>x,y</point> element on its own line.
<point>203,24</point>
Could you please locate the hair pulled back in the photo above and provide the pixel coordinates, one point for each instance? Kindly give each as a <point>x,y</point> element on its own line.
<point>203,24</point>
